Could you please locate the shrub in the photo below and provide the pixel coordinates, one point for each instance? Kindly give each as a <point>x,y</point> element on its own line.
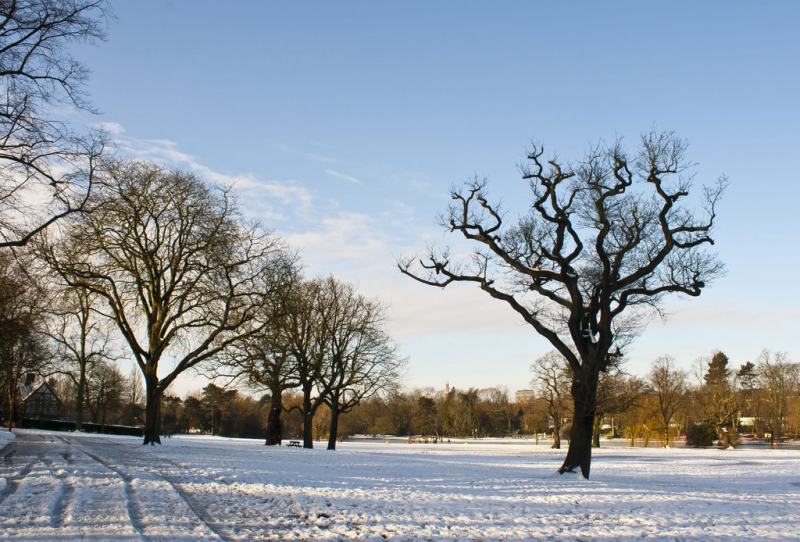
<point>700,434</point>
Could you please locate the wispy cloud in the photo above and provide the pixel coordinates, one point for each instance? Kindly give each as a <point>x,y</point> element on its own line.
<point>314,157</point>
<point>263,197</point>
<point>343,176</point>
<point>359,247</point>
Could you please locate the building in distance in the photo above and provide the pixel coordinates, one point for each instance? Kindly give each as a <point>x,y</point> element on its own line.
<point>524,396</point>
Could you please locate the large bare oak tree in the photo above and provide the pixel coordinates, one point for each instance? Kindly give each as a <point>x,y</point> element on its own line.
<point>181,276</point>
<point>604,239</point>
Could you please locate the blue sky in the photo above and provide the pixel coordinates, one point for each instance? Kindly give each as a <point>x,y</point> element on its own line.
<point>344,124</point>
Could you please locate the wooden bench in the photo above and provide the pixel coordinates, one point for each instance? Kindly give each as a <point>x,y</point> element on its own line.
<point>295,444</point>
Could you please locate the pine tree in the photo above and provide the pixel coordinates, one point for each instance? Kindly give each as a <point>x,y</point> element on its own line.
<point>718,373</point>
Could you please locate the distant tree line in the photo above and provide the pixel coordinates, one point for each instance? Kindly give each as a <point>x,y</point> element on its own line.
<point>720,403</point>
<point>717,403</point>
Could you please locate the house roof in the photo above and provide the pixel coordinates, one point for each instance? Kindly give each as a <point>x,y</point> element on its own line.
<point>26,391</point>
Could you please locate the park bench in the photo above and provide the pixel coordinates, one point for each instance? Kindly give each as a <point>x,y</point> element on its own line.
<point>295,444</point>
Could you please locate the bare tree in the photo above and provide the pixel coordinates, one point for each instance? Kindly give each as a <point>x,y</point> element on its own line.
<point>80,338</point>
<point>361,359</point>
<point>617,393</point>
<point>23,350</point>
<point>180,275</point>
<point>46,170</point>
<point>669,385</point>
<point>778,379</point>
<point>135,384</point>
<point>265,359</point>
<point>551,376</point>
<point>303,325</point>
<point>104,389</point>
<point>605,240</point>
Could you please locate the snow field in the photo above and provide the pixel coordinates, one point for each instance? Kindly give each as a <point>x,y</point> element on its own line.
<point>64,486</point>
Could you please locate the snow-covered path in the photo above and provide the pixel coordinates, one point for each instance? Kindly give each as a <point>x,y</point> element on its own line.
<point>61,486</point>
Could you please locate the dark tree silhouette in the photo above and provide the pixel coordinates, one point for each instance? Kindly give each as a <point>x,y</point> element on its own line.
<point>46,170</point>
<point>605,239</point>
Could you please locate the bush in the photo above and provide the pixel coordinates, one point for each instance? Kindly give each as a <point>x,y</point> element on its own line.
<point>88,427</point>
<point>700,434</point>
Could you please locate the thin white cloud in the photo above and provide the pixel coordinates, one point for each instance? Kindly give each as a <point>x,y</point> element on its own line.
<point>343,176</point>
<point>261,196</point>
<point>314,157</point>
<point>357,247</point>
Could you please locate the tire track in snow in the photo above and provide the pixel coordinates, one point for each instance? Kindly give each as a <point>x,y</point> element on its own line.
<point>65,496</point>
<point>193,504</point>
<point>133,510</point>
<point>12,482</point>
<point>294,510</point>
<point>196,507</point>
<point>132,507</point>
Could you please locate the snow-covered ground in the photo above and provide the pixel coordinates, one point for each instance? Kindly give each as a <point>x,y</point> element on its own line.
<point>62,486</point>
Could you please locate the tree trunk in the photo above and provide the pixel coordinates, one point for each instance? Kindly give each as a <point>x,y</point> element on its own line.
<point>556,433</point>
<point>584,399</point>
<point>598,423</point>
<point>79,400</point>
<point>308,420</point>
<point>274,425</point>
<point>152,416</point>
<point>11,413</point>
<point>334,431</point>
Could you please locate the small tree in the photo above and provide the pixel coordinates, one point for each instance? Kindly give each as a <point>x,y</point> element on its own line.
<point>779,381</point>
<point>551,377</point>
<point>80,339</point>
<point>104,389</point>
<point>605,239</point>
<point>719,397</point>
<point>361,359</point>
<point>669,386</point>
<point>750,400</point>
<point>265,359</point>
<point>303,323</point>
<point>617,392</point>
